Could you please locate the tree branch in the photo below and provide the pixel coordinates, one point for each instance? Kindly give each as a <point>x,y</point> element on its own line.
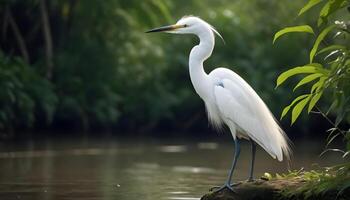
<point>5,24</point>
<point>48,39</point>
<point>330,121</point>
<point>21,43</point>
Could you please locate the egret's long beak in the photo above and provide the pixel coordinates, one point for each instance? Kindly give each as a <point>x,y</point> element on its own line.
<point>166,28</point>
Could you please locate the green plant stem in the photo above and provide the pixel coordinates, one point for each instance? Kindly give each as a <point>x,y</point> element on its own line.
<point>329,120</point>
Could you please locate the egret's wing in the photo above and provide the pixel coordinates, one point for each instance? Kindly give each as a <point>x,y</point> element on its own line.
<point>240,104</point>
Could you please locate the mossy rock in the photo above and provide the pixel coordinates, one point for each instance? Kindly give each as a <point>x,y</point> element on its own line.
<point>273,190</point>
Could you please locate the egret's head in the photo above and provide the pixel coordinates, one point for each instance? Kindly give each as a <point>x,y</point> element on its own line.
<point>187,25</point>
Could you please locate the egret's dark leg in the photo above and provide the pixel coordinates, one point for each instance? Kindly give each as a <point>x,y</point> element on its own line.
<point>237,152</point>
<point>253,145</point>
<point>229,178</point>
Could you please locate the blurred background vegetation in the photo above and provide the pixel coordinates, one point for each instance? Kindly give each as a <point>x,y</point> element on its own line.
<point>73,65</point>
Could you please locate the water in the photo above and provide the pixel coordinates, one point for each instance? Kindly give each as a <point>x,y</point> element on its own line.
<point>125,169</point>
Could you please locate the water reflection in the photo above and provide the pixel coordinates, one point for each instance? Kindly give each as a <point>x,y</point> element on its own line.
<point>189,169</point>
<point>207,145</point>
<point>173,148</point>
<point>126,170</point>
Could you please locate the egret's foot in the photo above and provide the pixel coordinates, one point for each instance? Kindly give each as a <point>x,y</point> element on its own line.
<point>220,188</point>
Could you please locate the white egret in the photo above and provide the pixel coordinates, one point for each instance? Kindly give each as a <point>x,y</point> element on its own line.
<point>229,99</point>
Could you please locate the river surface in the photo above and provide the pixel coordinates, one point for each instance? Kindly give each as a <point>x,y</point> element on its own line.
<point>133,169</point>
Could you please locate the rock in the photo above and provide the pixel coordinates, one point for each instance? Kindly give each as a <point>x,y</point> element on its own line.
<point>272,190</point>
<point>224,194</point>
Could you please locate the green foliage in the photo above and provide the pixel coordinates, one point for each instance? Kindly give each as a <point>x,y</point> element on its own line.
<point>313,68</point>
<point>109,73</point>
<point>319,39</point>
<point>316,182</point>
<point>309,5</point>
<point>308,79</point>
<point>23,94</point>
<point>330,7</point>
<point>299,98</point>
<point>331,75</point>
<point>299,107</point>
<point>303,29</point>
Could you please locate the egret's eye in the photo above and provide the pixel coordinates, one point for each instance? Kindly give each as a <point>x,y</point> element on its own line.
<point>185,25</point>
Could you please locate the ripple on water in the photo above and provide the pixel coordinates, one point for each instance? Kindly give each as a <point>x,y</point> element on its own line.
<point>207,145</point>
<point>173,148</point>
<point>191,169</point>
<point>130,170</point>
<point>178,192</point>
<point>151,166</point>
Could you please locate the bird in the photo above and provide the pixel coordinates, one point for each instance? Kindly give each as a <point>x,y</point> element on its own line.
<point>229,99</point>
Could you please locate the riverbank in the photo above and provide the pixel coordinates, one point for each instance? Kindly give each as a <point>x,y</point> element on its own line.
<point>326,184</point>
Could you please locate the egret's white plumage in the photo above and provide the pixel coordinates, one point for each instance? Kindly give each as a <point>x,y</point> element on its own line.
<point>228,98</point>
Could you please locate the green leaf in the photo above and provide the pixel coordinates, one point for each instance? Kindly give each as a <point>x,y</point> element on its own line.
<point>333,150</point>
<point>302,28</point>
<point>313,101</point>
<point>331,48</point>
<point>329,8</point>
<point>331,54</point>
<point>341,111</point>
<point>298,108</point>
<point>308,79</point>
<point>318,85</point>
<point>331,132</point>
<point>287,108</point>
<point>278,176</point>
<point>333,105</point>
<point>332,138</point>
<point>324,12</point>
<point>344,155</point>
<point>285,111</point>
<point>309,5</point>
<point>319,40</point>
<point>306,69</point>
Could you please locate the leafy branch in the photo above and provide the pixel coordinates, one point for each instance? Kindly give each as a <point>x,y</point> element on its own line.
<point>328,70</point>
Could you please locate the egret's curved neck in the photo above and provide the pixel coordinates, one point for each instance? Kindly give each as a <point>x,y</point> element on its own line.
<point>198,55</point>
